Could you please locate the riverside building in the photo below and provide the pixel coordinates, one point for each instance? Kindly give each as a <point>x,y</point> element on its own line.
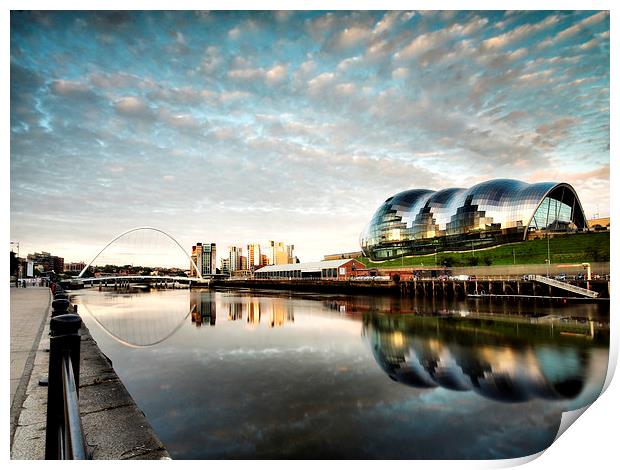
<point>335,270</point>
<point>204,256</point>
<point>421,221</point>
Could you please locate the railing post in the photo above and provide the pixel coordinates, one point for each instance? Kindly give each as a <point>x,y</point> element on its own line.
<point>65,340</point>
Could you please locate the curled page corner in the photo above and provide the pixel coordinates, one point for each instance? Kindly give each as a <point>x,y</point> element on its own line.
<point>507,463</point>
<point>611,362</point>
<point>568,418</point>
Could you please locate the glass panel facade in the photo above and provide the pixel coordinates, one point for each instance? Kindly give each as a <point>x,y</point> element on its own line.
<point>498,211</point>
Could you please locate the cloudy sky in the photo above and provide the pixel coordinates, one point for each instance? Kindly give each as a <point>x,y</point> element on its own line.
<point>235,127</point>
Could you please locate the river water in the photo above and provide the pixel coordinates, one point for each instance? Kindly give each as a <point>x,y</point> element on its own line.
<point>246,374</point>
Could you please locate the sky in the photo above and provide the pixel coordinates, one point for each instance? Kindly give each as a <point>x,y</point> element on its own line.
<point>238,127</point>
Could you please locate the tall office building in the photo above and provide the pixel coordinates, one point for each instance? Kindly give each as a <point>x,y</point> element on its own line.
<point>204,256</point>
<point>196,258</point>
<point>225,265</point>
<point>280,253</point>
<point>291,257</point>
<point>235,258</point>
<point>254,256</point>
<point>209,259</point>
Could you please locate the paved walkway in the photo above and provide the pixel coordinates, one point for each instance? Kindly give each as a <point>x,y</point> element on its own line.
<point>29,309</point>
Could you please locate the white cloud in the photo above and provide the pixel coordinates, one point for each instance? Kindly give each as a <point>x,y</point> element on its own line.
<point>319,82</point>
<point>69,87</point>
<point>276,74</point>
<point>234,33</point>
<point>400,72</point>
<point>132,106</point>
<point>574,29</point>
<point>519,33</point>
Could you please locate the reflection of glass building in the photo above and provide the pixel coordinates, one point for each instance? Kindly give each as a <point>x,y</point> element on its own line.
<point>493,212</point>
<point>253,312</point>
<point>281,313</point>
<point>202,307</point>
<point>235,311</point>
<point>422,354</point>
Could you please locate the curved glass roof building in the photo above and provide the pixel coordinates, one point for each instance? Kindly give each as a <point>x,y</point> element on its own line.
<point>420,221</point>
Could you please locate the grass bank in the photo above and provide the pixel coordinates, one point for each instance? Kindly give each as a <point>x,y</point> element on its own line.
<point>573,248</point>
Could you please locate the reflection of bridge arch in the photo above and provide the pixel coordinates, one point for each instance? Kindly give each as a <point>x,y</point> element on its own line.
<point>135,230</point>
<point>123,337</point>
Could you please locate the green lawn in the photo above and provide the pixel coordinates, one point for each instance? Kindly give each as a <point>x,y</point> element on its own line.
<point>574,248</point>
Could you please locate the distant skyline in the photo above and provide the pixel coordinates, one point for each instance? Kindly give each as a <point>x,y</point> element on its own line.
<point>238,127</point>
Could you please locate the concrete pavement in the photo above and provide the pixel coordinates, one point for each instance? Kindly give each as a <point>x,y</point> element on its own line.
<point>29,309</point>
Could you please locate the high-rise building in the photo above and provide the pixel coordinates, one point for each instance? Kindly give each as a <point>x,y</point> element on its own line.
<point>234,257</point>
<point>291,257</point>
<point>254,256</point>
<point>225,265</point>
<point>209,259</point>
<point>196,258</point>
<point>280,253</point>
<point>204,256</point>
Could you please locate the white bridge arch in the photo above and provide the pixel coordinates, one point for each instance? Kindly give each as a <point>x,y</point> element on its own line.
<point>153,229</point>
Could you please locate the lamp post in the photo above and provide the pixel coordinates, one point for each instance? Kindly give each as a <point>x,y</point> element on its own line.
<point>548,253</point>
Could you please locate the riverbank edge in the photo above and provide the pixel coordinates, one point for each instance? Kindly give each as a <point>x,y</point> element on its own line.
<point>114,426</point>
<point>373,288</point>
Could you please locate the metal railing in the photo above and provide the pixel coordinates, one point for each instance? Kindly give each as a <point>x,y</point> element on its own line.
<point>566,286</point>
<point>64,436</point>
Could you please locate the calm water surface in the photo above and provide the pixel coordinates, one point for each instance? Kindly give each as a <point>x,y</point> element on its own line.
<point>241,374</point>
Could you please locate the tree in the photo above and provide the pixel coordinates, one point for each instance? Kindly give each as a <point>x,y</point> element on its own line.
<point>447,261</point>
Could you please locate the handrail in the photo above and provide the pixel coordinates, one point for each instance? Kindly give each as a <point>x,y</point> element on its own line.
<point>64,435</point>
<point>566,286</point>
<point>74,443</point>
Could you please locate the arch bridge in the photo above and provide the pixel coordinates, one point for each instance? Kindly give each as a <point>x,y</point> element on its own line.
<point>150,279</point>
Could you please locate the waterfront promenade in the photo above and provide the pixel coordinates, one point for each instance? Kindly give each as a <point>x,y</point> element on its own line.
<point>29,309</point>
<point>114,426</point>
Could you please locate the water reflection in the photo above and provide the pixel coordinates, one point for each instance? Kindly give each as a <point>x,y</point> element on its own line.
<point>278,311</point>
<point>503,361</point>
<point>314,376</point>
<point>598,312</point>
<point>203,308</point>
<point>137,320</point>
